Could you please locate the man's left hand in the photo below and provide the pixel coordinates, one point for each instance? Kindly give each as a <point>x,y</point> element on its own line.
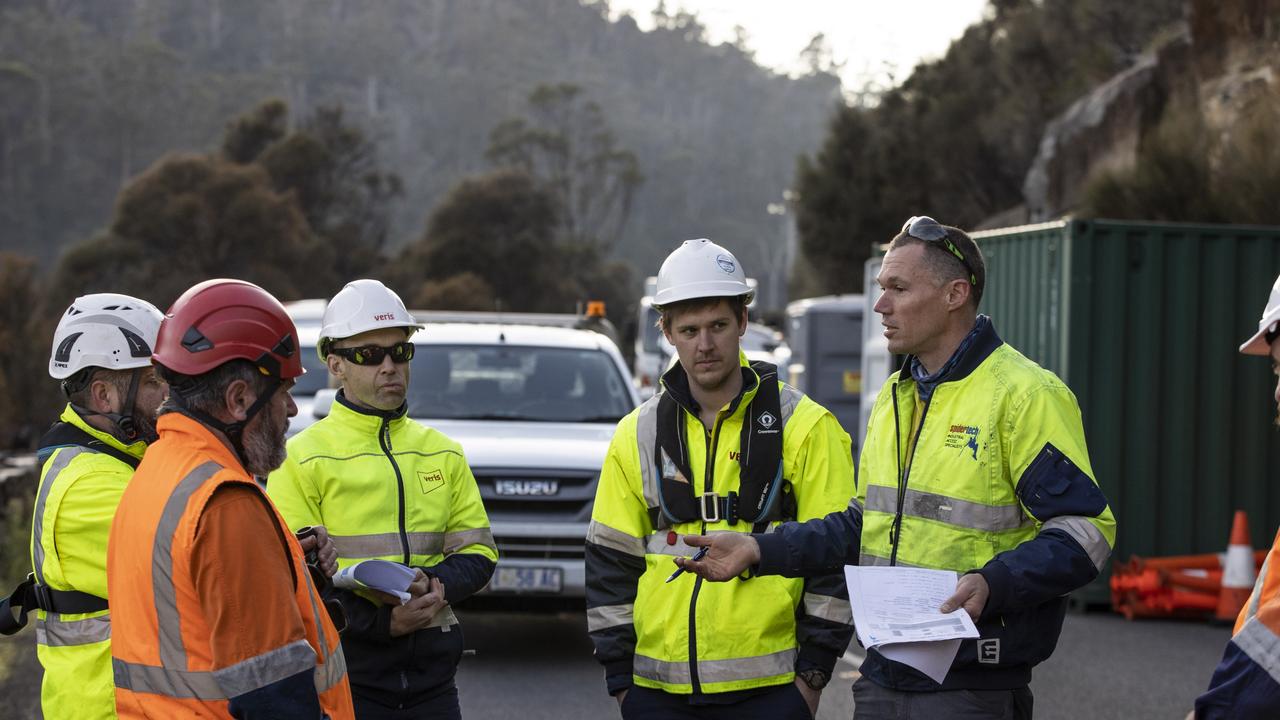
<point>327,553</point>
<point>811,696</point>
<point>971,594</point>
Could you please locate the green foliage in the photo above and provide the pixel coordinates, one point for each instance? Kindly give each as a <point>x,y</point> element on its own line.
<point>567,144</point>
<point>955,139</point>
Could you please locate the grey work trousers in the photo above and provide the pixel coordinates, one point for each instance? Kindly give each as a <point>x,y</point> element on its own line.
<point>872,702</point>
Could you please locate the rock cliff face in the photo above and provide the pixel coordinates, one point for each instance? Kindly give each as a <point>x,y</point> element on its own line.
<point>1224,64</point>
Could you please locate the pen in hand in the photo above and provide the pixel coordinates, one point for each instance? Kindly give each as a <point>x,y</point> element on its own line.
<point>702,552</point>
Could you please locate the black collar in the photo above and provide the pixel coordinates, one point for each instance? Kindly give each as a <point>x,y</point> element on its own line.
<point>387,415</point>
<point>984,343</point>
<point>676,382</point>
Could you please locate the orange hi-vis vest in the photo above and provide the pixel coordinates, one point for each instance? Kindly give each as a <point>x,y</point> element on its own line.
<point>162,649</point>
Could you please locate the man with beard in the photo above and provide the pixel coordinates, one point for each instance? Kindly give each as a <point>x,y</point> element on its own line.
<point>215,612</point>
<point>102,354</point>
<point>391,488</point>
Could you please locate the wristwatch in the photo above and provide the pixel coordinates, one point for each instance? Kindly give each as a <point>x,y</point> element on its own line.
<point>815,678</point>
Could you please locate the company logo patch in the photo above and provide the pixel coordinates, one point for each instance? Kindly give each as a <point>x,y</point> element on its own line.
<point>766,420</point>
<point>431,481</point>
<point>964,436</point>
<point>726,263</point>
<point>384,316</point>
<point>989,651</point>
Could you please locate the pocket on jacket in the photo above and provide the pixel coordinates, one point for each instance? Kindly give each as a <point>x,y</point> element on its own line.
<point>1053,486</point>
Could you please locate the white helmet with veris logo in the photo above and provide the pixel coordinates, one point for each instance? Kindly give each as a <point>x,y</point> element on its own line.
<point>700,269</point>
<point>1260,343</point>
<point>104,330</point>
<point>361,306</point>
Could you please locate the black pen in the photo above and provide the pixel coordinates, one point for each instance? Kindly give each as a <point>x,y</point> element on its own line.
<point>702,552</point>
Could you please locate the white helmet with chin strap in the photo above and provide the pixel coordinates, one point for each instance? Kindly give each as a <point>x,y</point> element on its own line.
<point>361,306</point>
<point>700,269</point>
<point>108,331</point>
<point>1260,343</point>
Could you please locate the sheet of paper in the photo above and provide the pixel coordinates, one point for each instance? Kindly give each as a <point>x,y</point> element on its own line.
<point>389,577</point>
<point>895,610</point>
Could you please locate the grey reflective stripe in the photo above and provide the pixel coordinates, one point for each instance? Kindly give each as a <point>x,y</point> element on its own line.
<point>1256,596</point>
<point>855,504</point>
<point>261,670</point>
<point>828,608</point>
<point>332,671</point>
<point>716,671</point>
<point>789,398</point>
<point>169,621</point>
<point>656,544</point>
<point>455,541</point>
<point>384,544</point>
<point>646,441</point>
<point>1260,644</point>
<point>600,534</point>
<point>56,632</point>
<point>607,616</point>
<point>183,684</point>
<point>868,560</point>
<point>953,511</point>
<point>60,461</point>
<point>312,594</point>
<point>1085,533</point>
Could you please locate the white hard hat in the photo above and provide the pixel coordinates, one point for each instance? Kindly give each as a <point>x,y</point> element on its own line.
<point>700,269</point>
<point>104,330</point>
<point>361,306</point>
<point>1258,345</point>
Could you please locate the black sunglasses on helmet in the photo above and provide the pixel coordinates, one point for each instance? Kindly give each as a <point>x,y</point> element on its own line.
<point>923,227</point>
<point>401,352</point>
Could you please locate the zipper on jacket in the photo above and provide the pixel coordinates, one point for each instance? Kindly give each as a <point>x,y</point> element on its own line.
<point>384,439</point>
<point>895,530</point>
<point>707,485</point>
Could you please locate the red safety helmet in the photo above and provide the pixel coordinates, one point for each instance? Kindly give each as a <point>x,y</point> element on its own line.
<point>220,320</point>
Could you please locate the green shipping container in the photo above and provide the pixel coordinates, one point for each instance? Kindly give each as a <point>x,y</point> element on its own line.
<point>1143,321</point>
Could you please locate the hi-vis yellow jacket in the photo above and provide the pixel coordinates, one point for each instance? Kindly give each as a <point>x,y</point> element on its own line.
<point>80,488</point>
<point>689,636</point>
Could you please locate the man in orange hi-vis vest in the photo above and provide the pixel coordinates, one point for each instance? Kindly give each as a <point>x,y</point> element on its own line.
<point>215,614</point>
<point>1246,683</point>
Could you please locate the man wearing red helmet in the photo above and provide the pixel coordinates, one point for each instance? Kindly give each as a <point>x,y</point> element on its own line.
<point>215,612</point>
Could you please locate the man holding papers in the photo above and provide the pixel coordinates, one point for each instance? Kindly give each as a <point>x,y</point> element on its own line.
<point>975,461</point>
<point>392,489</point>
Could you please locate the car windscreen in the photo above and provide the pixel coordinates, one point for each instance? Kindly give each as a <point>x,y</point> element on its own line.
<point>650,332</point>
<point>511,382</point>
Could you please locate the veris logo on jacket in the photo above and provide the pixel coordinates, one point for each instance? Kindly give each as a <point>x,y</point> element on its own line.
<point>964,436</point>
<point>384,316</point>
<point>431,481</point>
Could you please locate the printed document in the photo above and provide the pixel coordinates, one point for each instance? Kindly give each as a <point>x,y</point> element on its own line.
<point>895,610</point>
<point>391,578</point>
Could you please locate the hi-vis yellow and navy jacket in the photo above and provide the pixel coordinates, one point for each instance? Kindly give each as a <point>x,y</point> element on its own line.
<point>692,637</point>
<point>989,474</point>
<point>388,487</point>
<point>1246,684</point>
<point>85,471</point>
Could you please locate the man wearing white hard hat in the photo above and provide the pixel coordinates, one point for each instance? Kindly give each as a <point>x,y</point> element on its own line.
<point>1246,683</point>
<point>102,354</point>
<point>391,488</point>
<point>724,447</point>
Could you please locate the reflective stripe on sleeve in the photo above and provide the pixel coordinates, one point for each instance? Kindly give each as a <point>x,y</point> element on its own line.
<point>828,608</point>
<point>245,676</point>
<point>52,632</point>
<point>60,462</point>
<point>1085,533</point>
<point>607,616</point>
<point>169,621</point>
<point>600,534</point>
<point>1261,645</point>
<point>646,442</point>
<point>962,513</point>
<point>716,671</point>
<point>261,670</point>
<point>455,541</point>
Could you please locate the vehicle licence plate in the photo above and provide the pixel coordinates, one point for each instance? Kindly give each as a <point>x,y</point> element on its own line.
<point>526,579</point>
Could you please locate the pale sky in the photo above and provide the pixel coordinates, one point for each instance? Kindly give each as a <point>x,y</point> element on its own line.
<point>869,36</point>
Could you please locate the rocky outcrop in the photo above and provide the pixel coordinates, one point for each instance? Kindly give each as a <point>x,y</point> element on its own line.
<point>1222,65</point>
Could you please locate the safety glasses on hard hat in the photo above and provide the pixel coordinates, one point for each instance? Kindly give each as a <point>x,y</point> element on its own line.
<point>401,352</point>
<point>923,227</point>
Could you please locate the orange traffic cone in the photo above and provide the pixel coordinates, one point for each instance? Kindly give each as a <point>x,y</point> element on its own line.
<point>1238,572</point>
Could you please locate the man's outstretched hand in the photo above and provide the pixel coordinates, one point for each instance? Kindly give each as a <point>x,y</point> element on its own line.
<point>729,554</point>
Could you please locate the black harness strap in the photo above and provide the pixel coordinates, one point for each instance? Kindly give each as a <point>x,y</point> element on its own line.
<point>760,481</point>
<point>63,434</point>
